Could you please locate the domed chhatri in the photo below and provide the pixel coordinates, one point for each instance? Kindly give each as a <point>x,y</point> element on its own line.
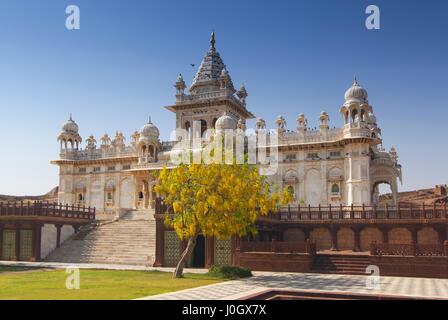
<point>149,130</point>
<point>225,122</point>
<point>70,126</point>
<point>69,136</point>
<point>356,93</point>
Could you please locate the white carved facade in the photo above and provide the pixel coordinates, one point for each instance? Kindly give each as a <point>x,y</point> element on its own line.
<point>321,165</point>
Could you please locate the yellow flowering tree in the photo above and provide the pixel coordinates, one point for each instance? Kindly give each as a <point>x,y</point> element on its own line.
<point>215,200</point>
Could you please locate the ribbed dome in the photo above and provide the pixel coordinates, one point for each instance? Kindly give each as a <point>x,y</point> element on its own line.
<point>225,122</point>
<point>70,126</point>
<point>149,130</point>
<point>356,93</point>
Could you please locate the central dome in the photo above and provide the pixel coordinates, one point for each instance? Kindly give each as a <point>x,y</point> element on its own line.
<point>225,122</point>
<point>356,93</point>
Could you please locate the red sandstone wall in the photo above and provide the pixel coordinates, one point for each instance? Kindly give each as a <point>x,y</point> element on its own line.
<point>282,262</point>
<point>425,267</point>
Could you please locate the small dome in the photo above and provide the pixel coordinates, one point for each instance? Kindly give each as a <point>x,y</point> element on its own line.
<point>371,119</point>
<point>149,130</point>
<point>356,93</point>
<point>225,122</point>
<point>70,126</point>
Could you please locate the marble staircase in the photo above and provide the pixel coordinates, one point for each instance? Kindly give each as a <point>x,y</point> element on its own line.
<point>129,240</point>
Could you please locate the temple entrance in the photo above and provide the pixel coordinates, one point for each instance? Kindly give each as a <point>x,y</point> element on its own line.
<point>198,259</point>
<point>383,190</point>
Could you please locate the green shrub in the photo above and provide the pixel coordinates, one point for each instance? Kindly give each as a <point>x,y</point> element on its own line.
<point>229,272</point>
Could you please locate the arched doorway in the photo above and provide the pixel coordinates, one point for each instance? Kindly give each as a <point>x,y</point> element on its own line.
<point>382,193</point>
<point>198,257</point>
<point>322,237</point>
<point>369,235</point>
<point>346,239</point>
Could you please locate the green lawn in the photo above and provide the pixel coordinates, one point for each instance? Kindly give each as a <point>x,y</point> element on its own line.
<point>94,284</point>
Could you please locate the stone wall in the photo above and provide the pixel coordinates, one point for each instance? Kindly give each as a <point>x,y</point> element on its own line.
<point>433,267</point>
<point>281,262</point>
<point>49,236</point>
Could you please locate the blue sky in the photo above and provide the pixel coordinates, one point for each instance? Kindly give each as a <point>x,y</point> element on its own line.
<point>293,57</point>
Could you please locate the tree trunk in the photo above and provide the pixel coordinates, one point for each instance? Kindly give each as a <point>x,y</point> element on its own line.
<point>178,273</point>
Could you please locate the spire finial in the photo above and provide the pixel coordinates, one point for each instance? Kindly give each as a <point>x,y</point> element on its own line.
<point>212,40</point>
<point>71,117</point>
<point>355,81</point>
<point>149,119</point>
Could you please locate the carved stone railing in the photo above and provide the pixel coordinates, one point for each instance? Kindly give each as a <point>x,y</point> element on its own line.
<point>208,96</point>
<point>95,154</point>
<point>46,209</point>
<point>292,137</point>
<point>437,212</point>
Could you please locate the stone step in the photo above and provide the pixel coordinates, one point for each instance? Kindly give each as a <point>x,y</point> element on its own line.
<point>119,242</point>
<point>340,264</point>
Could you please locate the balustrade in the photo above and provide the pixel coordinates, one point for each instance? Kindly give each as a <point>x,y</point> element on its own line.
<point>400,212</point>
<point>45,209</point>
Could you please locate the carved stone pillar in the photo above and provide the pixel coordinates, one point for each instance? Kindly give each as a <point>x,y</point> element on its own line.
<point>17,252</point>
<point>209,251</point>
<point>58,235</point>
<point>160,242</point>
<point>235,250</point>
<point>334,238</point>
<point>385,232</point>
<point>414,234</point>
<point>394,188</point>
<point>357,234</point>
<point>36,245</point>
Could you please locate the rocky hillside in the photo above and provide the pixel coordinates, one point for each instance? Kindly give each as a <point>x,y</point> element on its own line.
<point>51,196</point>
<point>438,194</point>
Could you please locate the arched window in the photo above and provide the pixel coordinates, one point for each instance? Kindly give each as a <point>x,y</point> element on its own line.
<point>335,188</point>
<point>109,197</point>
<point>203,127</point>
<point>354,115</point>
<point>151,150</point>
<point>80,197</point>
<point>140,195</point>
